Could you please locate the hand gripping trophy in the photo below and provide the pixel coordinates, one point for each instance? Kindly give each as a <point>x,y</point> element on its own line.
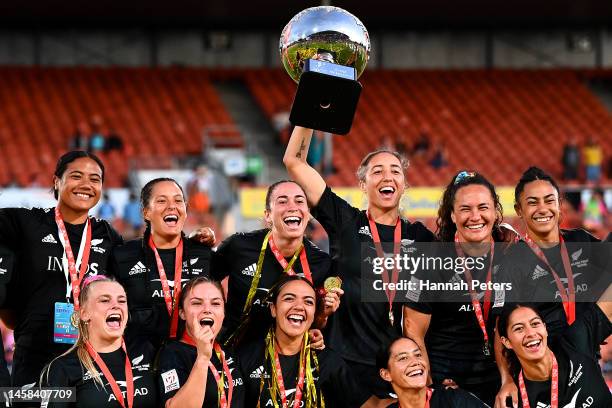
<point>325,49</point>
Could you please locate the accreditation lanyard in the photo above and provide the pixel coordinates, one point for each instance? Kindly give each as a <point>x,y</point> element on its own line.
<point>281,383</point>
<point>397,238</point>
<point>224,401</point>
<point>178,269</point>
<point>554,386</point>
<point>481,316</point>
<point>427,398</point>
<point>129,380</point>
<point>74,278</point>
<point>287,267</point>
<point>569,299</point>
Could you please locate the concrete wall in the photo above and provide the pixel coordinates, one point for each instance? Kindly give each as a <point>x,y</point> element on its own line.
<point>503,49</point>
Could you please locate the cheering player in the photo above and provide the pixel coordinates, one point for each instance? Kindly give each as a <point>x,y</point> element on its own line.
<point>195,371</point>
<point>283,370</point>
<point>403,364</point>
<point>459,333</point>
<point>102,370</point>
<point>152,269</point>
<point>55,249</point>
<point>561,271</point>
<point>358,328</point>
<point>565,374</point>
<point>254,262</point>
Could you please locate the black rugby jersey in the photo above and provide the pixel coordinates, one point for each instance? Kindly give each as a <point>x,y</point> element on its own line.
<point>134,266</point>
<point>533,282</point>
<point>447,398</point>
<point>334,377</point>
<point>237,257</point>
<point>67,371</point>
<point>581,383</point>
<point>175,363</point>
<point>39,280</point>
<point>357,329</point>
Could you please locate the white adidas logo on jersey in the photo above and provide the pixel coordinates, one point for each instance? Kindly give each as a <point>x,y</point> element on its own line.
<point>49,239</point>
<point>259,371</point>
<point>250,270</point>
<point>538,272</point>
<point>138,268</point>
<point>365,230</point>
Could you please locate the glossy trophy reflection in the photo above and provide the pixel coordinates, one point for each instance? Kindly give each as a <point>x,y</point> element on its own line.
<point>325,49</point>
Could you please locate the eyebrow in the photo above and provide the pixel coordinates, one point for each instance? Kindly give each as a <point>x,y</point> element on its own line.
<point>551,195</point>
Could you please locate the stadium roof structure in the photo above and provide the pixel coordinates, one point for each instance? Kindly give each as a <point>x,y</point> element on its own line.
<point>274,14</point>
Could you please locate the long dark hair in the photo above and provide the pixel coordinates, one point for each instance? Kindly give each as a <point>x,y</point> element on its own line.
<point>69,157</point>
<point>446,228</point>
<point>502,328</point>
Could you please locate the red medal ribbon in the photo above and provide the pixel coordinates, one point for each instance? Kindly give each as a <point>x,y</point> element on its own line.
<point>397,238</point>
<point>75,277</point>
<point>427,398</point>
<point>129,380</point>
<point>178,269</point>
<point>554,386</point>
<point>224,401</point>
<point>281,384</point>
<point>480,316</point>
<point>569,300</point>
<point>285,265</point>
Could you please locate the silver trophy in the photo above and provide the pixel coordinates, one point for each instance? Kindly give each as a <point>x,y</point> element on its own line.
<point>325,49</point>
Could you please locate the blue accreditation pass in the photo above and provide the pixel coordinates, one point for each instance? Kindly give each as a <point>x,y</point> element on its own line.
<point>63,330</point>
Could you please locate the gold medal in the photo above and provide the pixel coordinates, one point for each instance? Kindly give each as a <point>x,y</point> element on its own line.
<point>74,319</point>
<point>332,282</point>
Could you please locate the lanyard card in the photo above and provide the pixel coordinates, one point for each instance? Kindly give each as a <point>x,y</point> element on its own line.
<point>63,330</point>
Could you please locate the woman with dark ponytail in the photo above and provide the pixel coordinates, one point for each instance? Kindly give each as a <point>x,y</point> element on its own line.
<point>283,370</point>
<point>154,268</point>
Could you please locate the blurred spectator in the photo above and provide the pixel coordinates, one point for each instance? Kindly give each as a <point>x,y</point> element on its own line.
<point>96,140</point>
<point>570,160</point>
<point>80,138</point>
<point>113,141</point>
<point>106,210</point>
<point>198,190</point>
<point>421,146</point>
<point>594,212</point>
<point>316,152</point>
<point>593,159</point>
<point>132,216</point>
<point>440,157</point>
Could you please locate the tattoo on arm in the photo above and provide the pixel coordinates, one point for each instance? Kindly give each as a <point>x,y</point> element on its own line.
<point>301,149</point>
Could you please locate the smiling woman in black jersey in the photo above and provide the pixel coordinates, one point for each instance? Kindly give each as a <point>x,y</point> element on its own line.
<point>562,375</point>
<point>283,370</point>
<point>358,328</point>
<point>55,249</point>
<point>459,334</point>
<point>196,371</point>
<point>153,268</point>
<point>402,363</point>
<point>103,370</point>
<point>254,261</point>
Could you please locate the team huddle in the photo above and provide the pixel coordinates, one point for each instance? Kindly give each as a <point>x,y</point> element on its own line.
<point>267,319</point>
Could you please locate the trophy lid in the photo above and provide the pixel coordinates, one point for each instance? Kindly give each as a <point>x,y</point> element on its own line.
<point>324,32</point>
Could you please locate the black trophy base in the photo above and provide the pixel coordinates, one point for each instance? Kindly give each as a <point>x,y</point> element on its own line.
<point>325,102</point>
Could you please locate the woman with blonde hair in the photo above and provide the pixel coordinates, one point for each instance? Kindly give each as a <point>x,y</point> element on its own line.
<point>100,367</point>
